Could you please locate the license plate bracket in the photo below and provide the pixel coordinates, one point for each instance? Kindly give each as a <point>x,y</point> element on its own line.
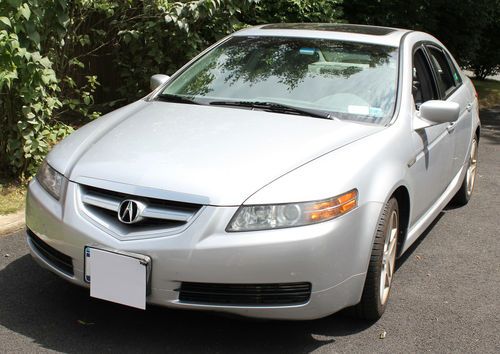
<point>117,276</point>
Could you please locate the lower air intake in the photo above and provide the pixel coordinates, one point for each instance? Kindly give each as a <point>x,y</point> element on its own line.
<point>57,259</point>
<point>281,294</point>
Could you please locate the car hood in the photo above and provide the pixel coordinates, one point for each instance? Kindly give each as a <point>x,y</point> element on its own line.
<point>216,155</point>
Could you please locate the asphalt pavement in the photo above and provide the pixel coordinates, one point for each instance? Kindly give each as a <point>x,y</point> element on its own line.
<point>446,298</point>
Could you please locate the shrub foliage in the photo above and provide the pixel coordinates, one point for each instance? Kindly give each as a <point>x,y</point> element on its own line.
<point>53,53</point>
<point>62,62</point>
<point>36,83</point>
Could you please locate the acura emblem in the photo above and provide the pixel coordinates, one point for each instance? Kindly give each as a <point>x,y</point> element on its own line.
<point>130,211</point>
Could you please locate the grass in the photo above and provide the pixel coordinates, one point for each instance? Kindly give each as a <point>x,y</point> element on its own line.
<point>488,92</point>
<point>12,195</point>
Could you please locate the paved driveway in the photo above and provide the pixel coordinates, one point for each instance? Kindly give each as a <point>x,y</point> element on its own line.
<point>446,298</point>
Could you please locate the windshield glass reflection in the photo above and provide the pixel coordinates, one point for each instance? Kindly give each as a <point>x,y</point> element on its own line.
<point>351,80</point>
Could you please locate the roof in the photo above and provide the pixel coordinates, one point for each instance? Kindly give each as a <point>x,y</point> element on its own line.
<point>346,32</point>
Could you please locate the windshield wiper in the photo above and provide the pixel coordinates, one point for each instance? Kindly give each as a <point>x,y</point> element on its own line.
<point>175,98</point>
<point>275,107</point>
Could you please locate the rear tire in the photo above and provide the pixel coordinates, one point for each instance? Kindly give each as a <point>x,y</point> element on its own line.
<point>465,192</point>
<point>382,265</point>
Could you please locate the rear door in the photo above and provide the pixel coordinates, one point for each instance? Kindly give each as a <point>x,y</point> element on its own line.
<point>451,88</point>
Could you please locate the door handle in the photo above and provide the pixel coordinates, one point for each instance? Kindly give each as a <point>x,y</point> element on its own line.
<point>469,107</point>
<point>451,127</point>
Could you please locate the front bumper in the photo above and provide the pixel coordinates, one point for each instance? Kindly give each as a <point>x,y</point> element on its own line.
<point>333,256</point>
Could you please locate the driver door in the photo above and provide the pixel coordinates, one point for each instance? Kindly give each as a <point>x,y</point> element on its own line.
<point>431,168</point>
<point>452,89</point>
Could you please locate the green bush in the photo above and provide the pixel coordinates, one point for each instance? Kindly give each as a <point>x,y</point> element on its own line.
<point>164,35</point>
<point>52,51</point>
<point>486,60</point>
<point>34,37</point>
<point>62,61</point>
<point>465,26</point>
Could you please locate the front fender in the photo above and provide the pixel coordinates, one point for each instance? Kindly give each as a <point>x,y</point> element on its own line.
<point>375,165</point>
<point>372,165</point>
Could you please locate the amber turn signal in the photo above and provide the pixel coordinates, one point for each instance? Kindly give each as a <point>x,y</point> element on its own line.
<point>333,207</point>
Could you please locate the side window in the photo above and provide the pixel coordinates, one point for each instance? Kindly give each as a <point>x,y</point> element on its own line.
<point>423,86</point>
<point>454,70</point>
<point>444,76</point>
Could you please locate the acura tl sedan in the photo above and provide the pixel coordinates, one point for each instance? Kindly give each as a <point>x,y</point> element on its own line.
<point>279,174</point>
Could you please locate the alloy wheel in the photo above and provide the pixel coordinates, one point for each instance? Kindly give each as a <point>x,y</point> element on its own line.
<point>389,257</point>
<point>471,171</point>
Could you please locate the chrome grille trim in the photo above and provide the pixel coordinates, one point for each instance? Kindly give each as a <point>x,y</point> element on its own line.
<point>158,218</point>
<point>100,202</point>
<point>166,214</point>
<point>113,204</point>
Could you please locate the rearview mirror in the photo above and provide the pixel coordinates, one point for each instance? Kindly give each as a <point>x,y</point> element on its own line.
<point>157,80</point>
<point>439,112</point>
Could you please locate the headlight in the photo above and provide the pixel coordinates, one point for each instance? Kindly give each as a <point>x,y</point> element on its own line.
<point>50,179</point>
<point>265,217</point>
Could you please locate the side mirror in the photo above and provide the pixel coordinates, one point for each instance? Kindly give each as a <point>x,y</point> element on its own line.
<point>439,112</point>
<point>157,80</point>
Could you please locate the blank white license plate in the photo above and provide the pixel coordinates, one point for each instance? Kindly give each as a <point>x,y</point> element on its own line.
<point>117,276</point>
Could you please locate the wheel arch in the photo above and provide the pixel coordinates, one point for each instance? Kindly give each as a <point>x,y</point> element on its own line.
<point>403,197</point>
<point>401,192</point>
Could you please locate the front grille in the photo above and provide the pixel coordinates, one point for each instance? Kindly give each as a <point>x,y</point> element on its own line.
<point>281,294</point>
<point>51,255</point>
<point>158,215</point>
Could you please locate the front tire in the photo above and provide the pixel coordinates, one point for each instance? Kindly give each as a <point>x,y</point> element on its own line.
<point>382,265</point>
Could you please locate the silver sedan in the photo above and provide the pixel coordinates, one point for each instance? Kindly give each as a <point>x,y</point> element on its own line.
<point>279,174</point>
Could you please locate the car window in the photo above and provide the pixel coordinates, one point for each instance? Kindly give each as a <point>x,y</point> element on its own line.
<point>355,81</point>
<point>444,75</point>
<point>456,74</point>
<point>423,85</point>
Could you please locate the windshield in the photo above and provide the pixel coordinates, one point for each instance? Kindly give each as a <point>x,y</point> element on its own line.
<point>348,80</point>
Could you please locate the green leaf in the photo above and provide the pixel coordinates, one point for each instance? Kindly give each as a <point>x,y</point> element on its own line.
<point>25,11</point>
<point>37,107</point>
<point>5,21</point>
<point>51,102</point>
<point>14,44</point>
<point>36,56</point>
<point>46,62</point>
<point>34,36</point>
<point>76,62</point>
<point>63,18</point>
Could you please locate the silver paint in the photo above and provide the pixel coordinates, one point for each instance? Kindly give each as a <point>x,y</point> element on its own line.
<point>222,158</point>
